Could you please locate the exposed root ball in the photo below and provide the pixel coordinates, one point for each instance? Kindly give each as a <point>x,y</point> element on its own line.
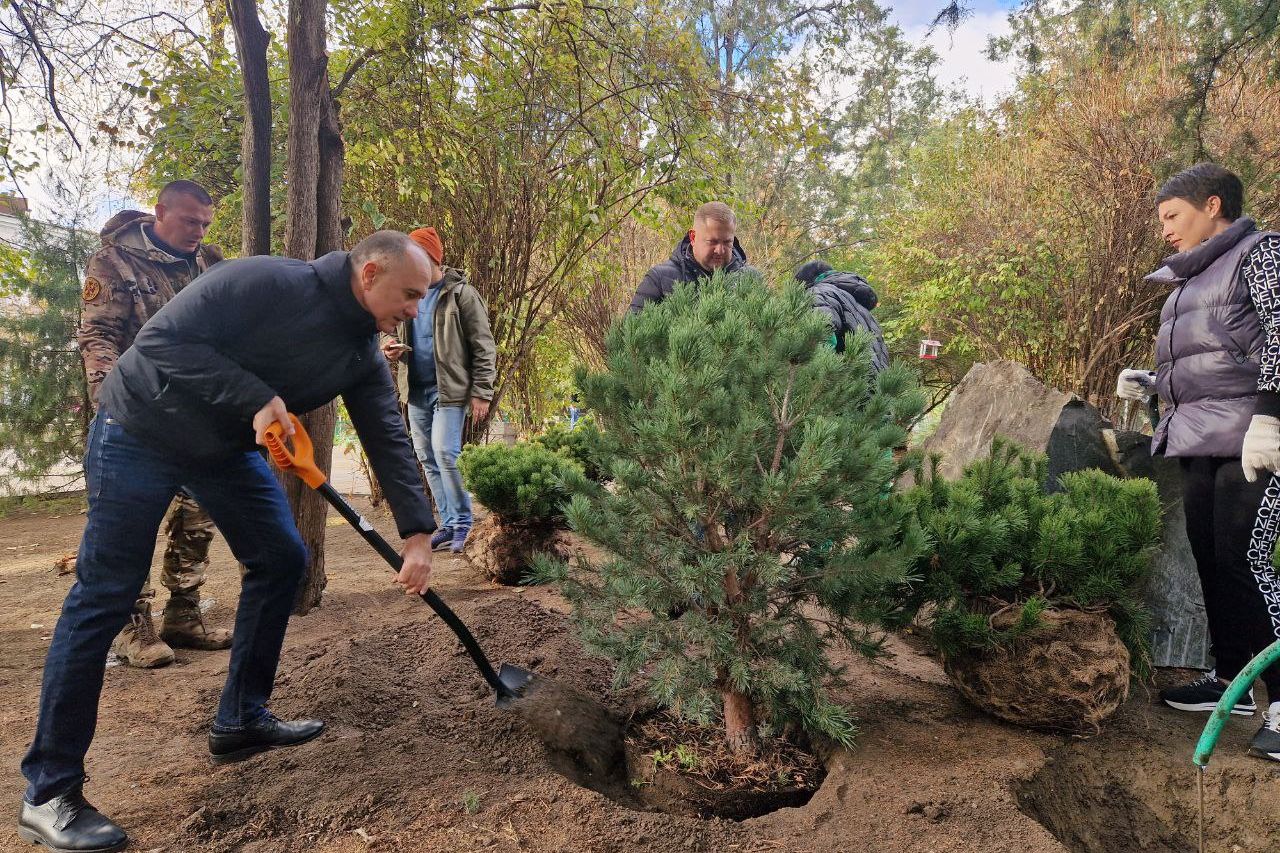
<point>504,552</point>
<point>575,725</point>
<point>1067,677</point>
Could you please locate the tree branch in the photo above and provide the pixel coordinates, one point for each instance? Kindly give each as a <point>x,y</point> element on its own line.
<point>47,71</point>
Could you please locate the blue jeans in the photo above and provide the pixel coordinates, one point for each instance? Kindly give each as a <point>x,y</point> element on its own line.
<point>437,439</point>
<point>130,485</point>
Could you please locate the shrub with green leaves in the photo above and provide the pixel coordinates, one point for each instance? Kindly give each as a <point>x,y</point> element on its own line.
<point>1000,543</point>
<point>519,483</point>
<point>747,528</point>
<point>575,444</point>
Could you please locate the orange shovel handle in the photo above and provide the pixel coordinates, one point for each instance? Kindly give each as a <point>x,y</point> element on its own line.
<point>301,459</point>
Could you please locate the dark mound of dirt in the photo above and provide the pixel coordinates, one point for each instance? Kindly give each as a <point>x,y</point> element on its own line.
<point>678,767</point>
<point>570,723</point>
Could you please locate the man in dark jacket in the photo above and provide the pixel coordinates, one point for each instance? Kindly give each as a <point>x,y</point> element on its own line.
<point>1218,376</point>
<point>233,353</point>
<point>710,245</point>
<point>847,301</point>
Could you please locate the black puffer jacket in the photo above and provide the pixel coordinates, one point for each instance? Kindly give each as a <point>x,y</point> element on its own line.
<point>847,299</point>
<point>658,282</point>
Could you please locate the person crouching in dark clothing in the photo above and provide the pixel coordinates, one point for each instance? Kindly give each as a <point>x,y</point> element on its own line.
<point>847,300</point>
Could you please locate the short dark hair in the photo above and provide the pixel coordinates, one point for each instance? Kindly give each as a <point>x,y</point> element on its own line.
<point>808,273</point>
<point>1202,182</point>
<point>388,246</point>
<point>187,188</point>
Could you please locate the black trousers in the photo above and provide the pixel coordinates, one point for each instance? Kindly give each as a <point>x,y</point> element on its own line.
<point>1233,526</point>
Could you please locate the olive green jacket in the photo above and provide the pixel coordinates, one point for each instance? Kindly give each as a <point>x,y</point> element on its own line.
<point>466,355</point>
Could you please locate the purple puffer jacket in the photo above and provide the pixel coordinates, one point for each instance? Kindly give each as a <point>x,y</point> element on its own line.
<point>1208,347</point>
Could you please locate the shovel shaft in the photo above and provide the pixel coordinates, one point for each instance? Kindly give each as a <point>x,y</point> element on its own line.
<point>393,558</point>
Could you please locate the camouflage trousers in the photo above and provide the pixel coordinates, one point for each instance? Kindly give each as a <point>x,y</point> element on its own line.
<point>189,530</point>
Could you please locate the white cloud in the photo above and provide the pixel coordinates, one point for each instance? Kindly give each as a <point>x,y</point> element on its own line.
<point>962,54</point>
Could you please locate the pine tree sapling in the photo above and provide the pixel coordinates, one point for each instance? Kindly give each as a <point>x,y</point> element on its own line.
<point>574,444</point>
<point>1035,599</point>
<point>999,542</point>
<point>522,485</point>
<point>747,528</point>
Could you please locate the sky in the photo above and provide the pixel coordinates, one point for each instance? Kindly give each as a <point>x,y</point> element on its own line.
<point>963,62</point>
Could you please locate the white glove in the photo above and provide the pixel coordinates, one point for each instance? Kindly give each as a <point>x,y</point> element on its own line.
<point>1135,384</point>
<point>1261,451</point>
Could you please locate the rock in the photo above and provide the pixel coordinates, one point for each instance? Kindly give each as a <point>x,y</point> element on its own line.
<point>935,813</point>
<point>1003,398</point>
<point>1179,628</point>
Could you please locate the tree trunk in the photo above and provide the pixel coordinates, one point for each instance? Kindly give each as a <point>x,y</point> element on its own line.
<point>217,13</point>
<point>314,178</point>
<point>255,139</point>
<point>740,723</point>
<point>375,488</point>
<point>739,716</point>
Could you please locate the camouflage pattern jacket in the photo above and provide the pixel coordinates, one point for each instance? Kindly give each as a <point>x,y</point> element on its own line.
<point>126,282</point>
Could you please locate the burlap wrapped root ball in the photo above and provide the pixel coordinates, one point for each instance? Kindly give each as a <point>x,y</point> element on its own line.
<point>504,552</point>
<point>1067,676</point>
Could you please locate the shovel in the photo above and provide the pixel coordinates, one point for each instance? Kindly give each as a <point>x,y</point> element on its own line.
<point>510,682</point>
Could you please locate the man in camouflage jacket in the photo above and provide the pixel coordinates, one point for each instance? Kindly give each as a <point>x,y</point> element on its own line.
<point>143,262</point>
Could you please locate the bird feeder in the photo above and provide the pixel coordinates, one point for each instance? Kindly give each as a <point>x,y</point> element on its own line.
<point>930,349</point>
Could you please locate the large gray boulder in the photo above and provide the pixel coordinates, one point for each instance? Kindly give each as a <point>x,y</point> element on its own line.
<point>1179,629</point>
<point>1003,398</point>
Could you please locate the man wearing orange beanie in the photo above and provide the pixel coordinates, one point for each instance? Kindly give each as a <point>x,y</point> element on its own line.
<point>449,362</point>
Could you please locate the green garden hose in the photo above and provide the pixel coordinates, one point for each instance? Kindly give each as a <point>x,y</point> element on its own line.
<point>1238,687</point>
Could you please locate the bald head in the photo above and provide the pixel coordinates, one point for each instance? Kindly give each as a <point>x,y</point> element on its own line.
<point>388,248</point>
<point>390,274</point>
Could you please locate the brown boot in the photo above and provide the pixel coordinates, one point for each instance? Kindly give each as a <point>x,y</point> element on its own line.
<point>138,644</point>
<point>184,628</point>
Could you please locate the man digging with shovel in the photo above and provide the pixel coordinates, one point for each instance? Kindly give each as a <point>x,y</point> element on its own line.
<point>225,359</point>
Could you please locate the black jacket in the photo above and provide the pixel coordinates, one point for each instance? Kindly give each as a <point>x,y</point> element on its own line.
<point>252,329</point>
<point>658,282</point>
<point>847,300</point>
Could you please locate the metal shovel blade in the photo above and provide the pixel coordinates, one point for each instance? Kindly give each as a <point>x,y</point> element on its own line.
<point>514,682</point>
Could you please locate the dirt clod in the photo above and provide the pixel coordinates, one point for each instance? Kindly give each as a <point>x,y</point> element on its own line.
<point>572,724</point>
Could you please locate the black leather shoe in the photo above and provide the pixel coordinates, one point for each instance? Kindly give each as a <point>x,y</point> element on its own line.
<point>266,733</point>
<point>69,824</point>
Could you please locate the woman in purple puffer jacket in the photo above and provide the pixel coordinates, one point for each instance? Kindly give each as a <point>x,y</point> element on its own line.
<point>1218,378</point>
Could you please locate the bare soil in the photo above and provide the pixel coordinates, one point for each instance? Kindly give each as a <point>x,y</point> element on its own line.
<point>417,758</point>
